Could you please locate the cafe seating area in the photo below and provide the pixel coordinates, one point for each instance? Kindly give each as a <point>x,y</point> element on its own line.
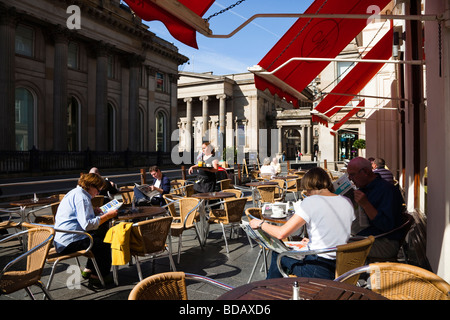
<point>191,227</point>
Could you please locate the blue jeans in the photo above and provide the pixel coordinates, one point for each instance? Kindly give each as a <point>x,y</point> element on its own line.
<point>312,266</point>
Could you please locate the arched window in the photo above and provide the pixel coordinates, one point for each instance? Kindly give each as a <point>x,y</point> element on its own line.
<point>111,128</point>
<point>73,125</point>
<point>25,120</point>
<point>160,131</point>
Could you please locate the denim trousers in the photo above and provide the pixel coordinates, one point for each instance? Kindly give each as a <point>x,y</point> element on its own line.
<point>312,266</point>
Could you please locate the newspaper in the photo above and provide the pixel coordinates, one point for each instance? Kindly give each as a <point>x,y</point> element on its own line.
<point>113,204</point>
<point>270,242</point>
<point>146,189</point>
<point>342,185</point>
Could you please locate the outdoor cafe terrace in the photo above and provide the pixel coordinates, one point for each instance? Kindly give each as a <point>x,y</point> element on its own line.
<point>236,262</point>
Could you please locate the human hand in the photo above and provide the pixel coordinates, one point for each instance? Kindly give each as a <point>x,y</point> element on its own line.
<point>359,196</point>
<point>254,223</point>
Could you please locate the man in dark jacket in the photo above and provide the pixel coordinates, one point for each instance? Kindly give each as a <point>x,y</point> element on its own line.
<point>161,184</point>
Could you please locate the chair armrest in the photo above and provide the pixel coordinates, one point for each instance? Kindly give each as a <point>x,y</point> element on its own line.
<point>299,255</point>
<point>91,240</point>
<point>25,254</point>
<point>351,273</point>
<point>11,212</point>
<point>211,281</point>
<point>194,209</point>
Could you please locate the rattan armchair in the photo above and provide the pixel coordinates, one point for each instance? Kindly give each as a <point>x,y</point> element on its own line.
<point>13,277</point>
<point>231,214</point>
<point>294,186</point>
<point>224,184</point>
<point>185,213</point>
<point>169,286</point>
<point>269,193</point>
<point>148,238</point>
<point>398,281</point>
<point>252,213</point>
<point>237,193</point>
<point>348,256</point>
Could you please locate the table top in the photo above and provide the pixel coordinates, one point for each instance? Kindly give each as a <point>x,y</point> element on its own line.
<point>282,220</point>
<point>31,203</point>
<point>143,212</point>
<point>213,195</point>
<point>310,289</point>
<point>261,183</point>
<point>286,177</point>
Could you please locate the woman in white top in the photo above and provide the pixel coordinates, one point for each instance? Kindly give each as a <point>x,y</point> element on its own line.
<point>267,169</point>
<point>328,218</point>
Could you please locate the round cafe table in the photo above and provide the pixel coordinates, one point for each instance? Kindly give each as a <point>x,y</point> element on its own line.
<point>310,289</point>
<point>27,203</point>
<point>140,213</point>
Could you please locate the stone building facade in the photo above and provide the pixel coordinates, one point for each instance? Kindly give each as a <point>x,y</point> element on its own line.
<point>84,74</point>
<point>251,121</point>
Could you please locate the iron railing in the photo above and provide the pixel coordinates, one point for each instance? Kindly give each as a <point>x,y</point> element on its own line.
<point>56,161</point>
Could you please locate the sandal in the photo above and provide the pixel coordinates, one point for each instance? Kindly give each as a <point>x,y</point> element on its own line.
<point>86,274</point>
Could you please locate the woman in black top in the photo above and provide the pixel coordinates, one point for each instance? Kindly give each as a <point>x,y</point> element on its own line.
<point>206,167</point>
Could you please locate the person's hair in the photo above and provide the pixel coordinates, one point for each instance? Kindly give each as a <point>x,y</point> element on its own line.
<point>371,159</point>
<point>88,180</point>
<point>207,143</point>
<point>317,179</point>
<point>266,161</point>
<point>380,163</point>
<point>153,168</point>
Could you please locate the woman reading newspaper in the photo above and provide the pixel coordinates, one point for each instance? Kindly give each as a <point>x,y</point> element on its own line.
<point>75,213</point>
<point>328,218</point>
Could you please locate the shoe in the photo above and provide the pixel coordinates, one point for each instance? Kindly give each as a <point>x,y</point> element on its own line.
<point>86,274</point>
<point>95,282</point>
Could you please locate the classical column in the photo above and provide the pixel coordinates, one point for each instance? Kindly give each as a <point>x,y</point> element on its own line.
<point>133,107</point>
<point>303,140</point>
<point>7,78</point>
<point>280,139</point>
<point>309,140</point>
<point>60,75</point>
<point>204,100</point>
<point>222,113</point>
<point>188,137</point>
<point>101,97</point>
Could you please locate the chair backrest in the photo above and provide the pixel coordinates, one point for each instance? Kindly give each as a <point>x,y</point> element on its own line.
<point>162,286</point>
<point>186,205</point>
<point>237,192</point>
<point>398,281</point>
<point>267,193</point>
<point>151,235</point>
<point>127,193</point>
<point>189,190</point>
<point>38,236</point>
<point>170,204</point>
<point>225,184</point>
<point>235,209</point>
<point>177,185</point>
<point>255,212</point>
<point>352,255</point>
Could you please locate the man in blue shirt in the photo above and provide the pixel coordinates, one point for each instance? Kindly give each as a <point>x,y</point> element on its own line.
<point>161,184</point>
<point>383,204</point>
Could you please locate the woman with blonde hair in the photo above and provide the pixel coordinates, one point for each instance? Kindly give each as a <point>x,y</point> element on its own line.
<point>328,218</point>
<point>75,213</point>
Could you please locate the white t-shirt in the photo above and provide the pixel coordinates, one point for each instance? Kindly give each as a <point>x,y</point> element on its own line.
<point>268,169</point>
<point>328,221</point>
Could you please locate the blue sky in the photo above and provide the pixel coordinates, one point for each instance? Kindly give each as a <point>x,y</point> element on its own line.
<point>244,49</point>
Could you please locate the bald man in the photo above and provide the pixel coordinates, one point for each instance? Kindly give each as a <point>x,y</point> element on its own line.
<point>383,204</point>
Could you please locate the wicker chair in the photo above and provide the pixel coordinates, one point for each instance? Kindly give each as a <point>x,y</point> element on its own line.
<point>252,213</point>
<point>230,214</point>
<point>149,238</point>
<point>97,201</point>
<point>127,193</point>
<point>224,184</point>
<point>294,186</point>
<point>348,256</point>
<point>169,286</point>
<point>185,218</point>
<point>12,277</point>
<point>268,193</point>
<point>398,281</point>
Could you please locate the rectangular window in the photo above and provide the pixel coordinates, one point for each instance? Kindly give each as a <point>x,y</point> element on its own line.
<point>159,81</point>
<point>24,40</point>
<point>343,68</point>
<point>72,60</point>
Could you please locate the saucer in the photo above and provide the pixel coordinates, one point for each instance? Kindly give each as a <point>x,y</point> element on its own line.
<point>279,216</point>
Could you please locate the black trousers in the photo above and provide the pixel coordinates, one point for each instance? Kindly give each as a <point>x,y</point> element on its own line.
<point>100,249</point>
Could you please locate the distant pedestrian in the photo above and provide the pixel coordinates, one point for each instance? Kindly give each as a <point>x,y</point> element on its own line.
<point>283,156</point>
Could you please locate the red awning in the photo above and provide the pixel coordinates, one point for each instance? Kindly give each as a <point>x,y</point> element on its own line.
<point>356,79</point>
<point>316,38</point>
<point>347,117</point>
<point>179,29</point>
